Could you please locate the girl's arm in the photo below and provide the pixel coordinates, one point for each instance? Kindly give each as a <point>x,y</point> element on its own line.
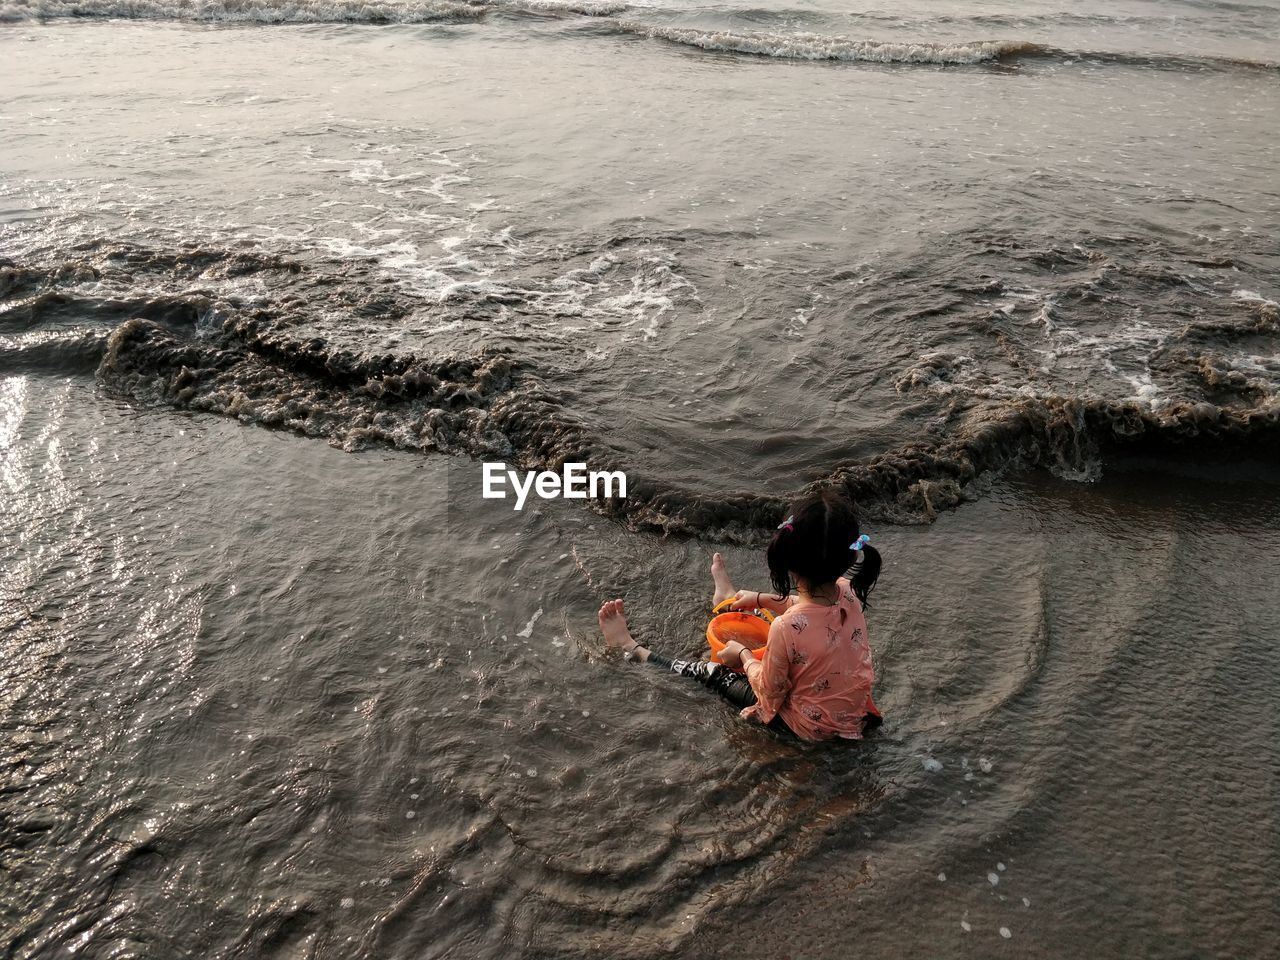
<point>760,600</point>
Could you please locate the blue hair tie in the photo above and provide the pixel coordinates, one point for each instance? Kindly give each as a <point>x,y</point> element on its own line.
<point>786,524</point>
<point>861,542</point>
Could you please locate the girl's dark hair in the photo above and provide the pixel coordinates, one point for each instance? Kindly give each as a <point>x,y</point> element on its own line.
<point>814,546</point>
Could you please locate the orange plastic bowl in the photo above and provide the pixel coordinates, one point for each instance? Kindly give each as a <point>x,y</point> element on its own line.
<point>748,629</point>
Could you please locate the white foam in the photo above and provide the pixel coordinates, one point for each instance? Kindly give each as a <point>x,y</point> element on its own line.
<point>527,632</point>
<point>587,8</point>
<point>810,46</point>
<point>1144,388</point>
<point>1251,296</point>
<point>244,11</point>
<point>462,256</point>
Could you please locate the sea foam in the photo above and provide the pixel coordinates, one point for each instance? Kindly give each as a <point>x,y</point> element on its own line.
<point>810,46</point>
<point>243,11</point>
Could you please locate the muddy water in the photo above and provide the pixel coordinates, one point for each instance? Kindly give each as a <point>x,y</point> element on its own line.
<point>290,687</point>
<point>274,277</point>
<point>1112,794</point>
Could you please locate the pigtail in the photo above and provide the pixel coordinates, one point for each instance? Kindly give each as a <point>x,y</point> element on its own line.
<point>778,559</point>
<point>816,543</point>
<point>865,573</point>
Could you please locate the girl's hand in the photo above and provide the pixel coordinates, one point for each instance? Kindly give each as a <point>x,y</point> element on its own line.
<point>731,655</point>
<point>745,600</point>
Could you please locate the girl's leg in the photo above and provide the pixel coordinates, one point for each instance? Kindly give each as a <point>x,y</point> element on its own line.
<point>724,586</point>
<point>613,624</point>
<point>734,687</point>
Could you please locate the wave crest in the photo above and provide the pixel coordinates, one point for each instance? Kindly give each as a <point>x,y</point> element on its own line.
<point>259,359</point>
<point>783,46</point>
<point>586,8</point>
<point>812,46</point>
<point>244,11</point>
<point>491,405</point>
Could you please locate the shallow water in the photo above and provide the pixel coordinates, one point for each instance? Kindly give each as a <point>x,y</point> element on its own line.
<point>301,692</point>
<point>286,684</point>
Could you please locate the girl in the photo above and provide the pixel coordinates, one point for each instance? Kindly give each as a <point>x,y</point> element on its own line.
<point>815,678</point>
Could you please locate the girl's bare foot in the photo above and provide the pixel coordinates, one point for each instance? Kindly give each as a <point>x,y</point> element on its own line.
<point>724,587</point>
<point>613,624</point>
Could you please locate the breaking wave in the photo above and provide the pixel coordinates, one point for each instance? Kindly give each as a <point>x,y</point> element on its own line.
<point>244,11</point>
<point>780,45</point>
<point>811,46</point>
<point>253,359</point>
<point>586,8</point>
<point>492,406</point>
<point>295,11</point>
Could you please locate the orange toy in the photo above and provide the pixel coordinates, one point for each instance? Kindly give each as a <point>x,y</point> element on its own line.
<point>749,629</point>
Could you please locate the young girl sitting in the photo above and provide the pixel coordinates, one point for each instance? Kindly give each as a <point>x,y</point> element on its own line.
<point>816,675</point>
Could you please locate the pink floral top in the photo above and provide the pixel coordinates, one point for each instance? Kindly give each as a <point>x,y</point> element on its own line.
<point>816,673</point>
